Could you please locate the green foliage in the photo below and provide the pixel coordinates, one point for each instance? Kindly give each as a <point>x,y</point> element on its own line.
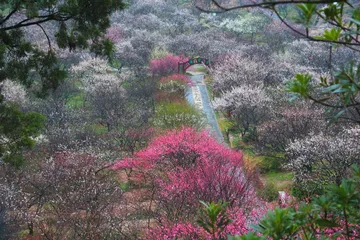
<point>307,11</point>
<point>333,214</point>
<point>269,193</point>
<point>213,218</point>
<point>177,114</point>
<point>270,164</point>
<point>250,134</point>
<point>338,93</point>
<point>332,35</point>
<point>17,131</point>
<point>300,85</point>
<point>159,52</point>
<point>80,24</point>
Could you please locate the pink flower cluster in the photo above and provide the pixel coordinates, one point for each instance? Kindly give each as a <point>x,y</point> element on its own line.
<point>186,166</point>
<point>165,65</point>
<point>177,77</point>
<point>187,230</point>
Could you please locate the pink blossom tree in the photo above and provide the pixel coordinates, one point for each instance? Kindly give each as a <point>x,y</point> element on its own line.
<point>186,166</point>
<point>165,65</point>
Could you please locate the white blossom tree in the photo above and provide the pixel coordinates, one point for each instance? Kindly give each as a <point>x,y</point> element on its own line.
<point>67,195</point>
<point>237,69</point>
<point>321,159</point>
<point>104,89</point>
<point>246,104</point>
<point>251,23</point>
<point>13,92</point>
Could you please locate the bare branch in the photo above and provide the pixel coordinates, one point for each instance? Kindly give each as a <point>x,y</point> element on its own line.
<point>262,4</point>
<point>48,39</point>
<point>312,38</point>
<point>8,16</point>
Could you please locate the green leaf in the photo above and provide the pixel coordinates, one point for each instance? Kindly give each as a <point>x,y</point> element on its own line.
<point>325,223</point>
<point>300,85</point>
<point>330,35</point>
<point>307,12</point>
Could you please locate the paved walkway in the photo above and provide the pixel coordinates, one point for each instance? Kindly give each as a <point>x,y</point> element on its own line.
<point>199,96</point>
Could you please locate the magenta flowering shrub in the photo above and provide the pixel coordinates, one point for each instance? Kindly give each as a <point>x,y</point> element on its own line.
<point>165,65</point>
<point>186,166</point>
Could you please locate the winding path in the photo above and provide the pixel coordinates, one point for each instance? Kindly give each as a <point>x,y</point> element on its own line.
<point>199,96</point>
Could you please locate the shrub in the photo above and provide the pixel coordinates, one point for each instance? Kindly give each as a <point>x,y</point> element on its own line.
<point>271,163</point>
<point>173,87</point>
<point>169,115</point>
<point>269,192</point>
<point>333,215</point>
<point>158,53</point>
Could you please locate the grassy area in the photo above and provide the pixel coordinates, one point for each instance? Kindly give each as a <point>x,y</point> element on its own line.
<point>76,101</point>
<point>224,123</point>
<point>281,180</point>
<point>278,176</point>
<point>99,129</point>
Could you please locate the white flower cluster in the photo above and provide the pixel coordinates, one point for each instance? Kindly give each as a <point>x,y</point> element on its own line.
<point>238,69</point>
<point>13,92</point>
<point>244,95</point>
<point>96,75</point>
<point>324,158</point>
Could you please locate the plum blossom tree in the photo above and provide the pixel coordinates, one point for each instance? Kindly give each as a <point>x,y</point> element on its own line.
<point>251,23</point>
<point>13,92</point>
<point>165,65</point>
<point>114,33</point>
<point>104,90</point>
<point>184,167</point>
<point>239,224</point>
<point>288,123</point>
<point>246,104</point>
<point>190,45</point>
<point>235,70</point>
<point>320,159</point>
<point>305,53</point>
<point>66,195</point>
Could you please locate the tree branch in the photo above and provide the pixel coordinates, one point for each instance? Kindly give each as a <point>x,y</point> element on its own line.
<point>314,39</point>
<point>48,39</point>
<point>8,16</point>
<point>262,4</point>
<point>20,25</point>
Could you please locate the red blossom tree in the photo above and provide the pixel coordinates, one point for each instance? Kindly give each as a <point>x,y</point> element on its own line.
<point>186,166</point>
<point>166,65</point>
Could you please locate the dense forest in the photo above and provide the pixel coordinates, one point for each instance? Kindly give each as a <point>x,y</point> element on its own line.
<point>181,119</point>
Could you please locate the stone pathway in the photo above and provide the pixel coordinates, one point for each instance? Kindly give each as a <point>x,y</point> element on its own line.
<point>198,96</point>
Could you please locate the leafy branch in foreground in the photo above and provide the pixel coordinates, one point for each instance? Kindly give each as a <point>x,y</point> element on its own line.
<point>213,218</point>
<point>340,94</point>
<point>342,18</point>
<point>341,23</point>
<point>332,215</point>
